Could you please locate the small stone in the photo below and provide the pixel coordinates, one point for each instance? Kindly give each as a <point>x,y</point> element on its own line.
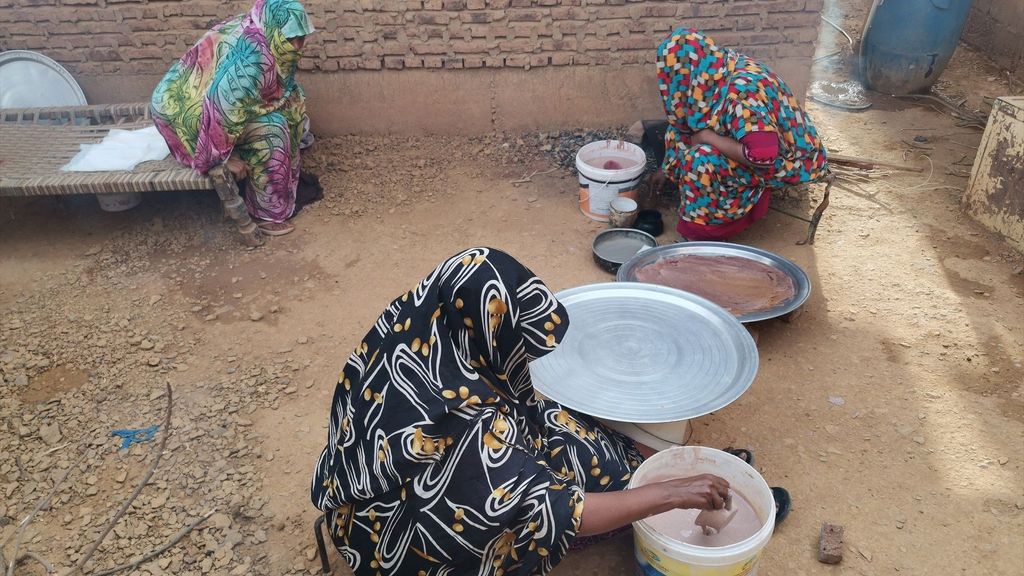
<point>146,345</point>
<point>836,400</point>
<point>50,433</point>
<point>153,361</point>
<point>220,520</point>
<point>531,199</point>
<point>918,439</point>
<point>155,298</point>
<point>311,553</point>
<point>865,553</point>
<point>275,309</point>
<point>256,316</point>
<point>1003,461</point>
<point>830,543</point>
<point>905,344</point>
<point>121,476</point>
<point>302,340</point>
<point>290,390</point>
<point>197,308</point>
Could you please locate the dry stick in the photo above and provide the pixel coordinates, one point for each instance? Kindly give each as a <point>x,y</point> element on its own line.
<point>858,162</point>
<point>965,145</point>
<point>158,551</point>
<point>836,26</point>
<point>78,569</point>
<point>957,112</point>
<point>827,56</point>
<point>20,532</point>
<point>859,192</point>
<point>42,561</point>
<point>529,178</point>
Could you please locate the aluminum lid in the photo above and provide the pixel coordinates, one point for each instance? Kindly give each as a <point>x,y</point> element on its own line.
<point>644,353</point>
<point>31,80</point>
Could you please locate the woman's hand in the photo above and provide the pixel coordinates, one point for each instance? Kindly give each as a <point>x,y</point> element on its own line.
<point>604,511</point>
<point>706,492</point>
<point>657,181</point>
<point>237,167</point>
<point>731,148</point>
<point>705,136</point>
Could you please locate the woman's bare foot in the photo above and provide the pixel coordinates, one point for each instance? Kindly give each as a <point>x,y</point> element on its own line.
<point>275,228</point>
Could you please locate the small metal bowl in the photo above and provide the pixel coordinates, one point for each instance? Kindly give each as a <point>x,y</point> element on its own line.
<point>614,246</point>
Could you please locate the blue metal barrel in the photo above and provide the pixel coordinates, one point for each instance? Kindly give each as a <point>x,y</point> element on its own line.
<point>907,43</point>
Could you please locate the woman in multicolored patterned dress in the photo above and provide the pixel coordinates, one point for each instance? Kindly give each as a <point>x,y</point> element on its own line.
<point>735,134</point>
<point>440,460</point>
<point>232,98</point>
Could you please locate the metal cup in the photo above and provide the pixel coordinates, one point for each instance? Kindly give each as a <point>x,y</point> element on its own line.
<point>622,212</point>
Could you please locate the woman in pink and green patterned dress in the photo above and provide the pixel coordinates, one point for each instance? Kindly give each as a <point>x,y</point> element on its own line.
<point>232,98</point>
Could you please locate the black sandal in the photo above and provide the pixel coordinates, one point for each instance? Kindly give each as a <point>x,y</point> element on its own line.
<point>782,503</point>
<point>741,453</point>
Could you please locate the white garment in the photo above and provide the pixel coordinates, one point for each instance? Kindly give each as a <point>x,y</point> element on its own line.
<point>119,150</point>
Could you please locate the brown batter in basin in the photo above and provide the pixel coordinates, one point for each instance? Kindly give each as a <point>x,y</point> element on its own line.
<point>740,285</point>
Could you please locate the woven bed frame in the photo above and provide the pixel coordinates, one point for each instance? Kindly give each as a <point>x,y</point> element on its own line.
<point>36,142</point>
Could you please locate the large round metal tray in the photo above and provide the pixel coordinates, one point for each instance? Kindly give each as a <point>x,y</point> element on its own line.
<point>646,354</point>
<point>30,80</point>
<point>802,284</point>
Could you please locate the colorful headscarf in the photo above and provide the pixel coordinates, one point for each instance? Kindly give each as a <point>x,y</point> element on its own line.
<point>451,351</point>
<point>240,70</point>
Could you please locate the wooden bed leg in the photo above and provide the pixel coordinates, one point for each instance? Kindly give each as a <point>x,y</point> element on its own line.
<point>234,206</point>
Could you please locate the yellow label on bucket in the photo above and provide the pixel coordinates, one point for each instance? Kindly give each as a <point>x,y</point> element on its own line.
<point>651,563</point>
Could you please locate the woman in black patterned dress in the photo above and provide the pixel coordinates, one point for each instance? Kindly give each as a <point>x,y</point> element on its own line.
<point>439,458</point>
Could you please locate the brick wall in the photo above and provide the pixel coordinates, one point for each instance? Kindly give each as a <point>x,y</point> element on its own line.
<point>138,36</point>
<point>107,42</point>
<point>994,26</point>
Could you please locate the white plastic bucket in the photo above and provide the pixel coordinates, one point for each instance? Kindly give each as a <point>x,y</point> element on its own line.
<point>119,202</point>
<point>658,555</point>
<point>600,185</point>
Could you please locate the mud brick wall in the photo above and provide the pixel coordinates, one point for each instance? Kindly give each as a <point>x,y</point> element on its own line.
<point>383,48</point>
<point>995,27</point>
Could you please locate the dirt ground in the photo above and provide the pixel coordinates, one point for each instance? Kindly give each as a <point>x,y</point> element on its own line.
<point>893,405</point>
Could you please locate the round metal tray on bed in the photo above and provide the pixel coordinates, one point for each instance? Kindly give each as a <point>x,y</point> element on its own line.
<point>801,283</point>
<point>31,80</point>
<point>643,353</point>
